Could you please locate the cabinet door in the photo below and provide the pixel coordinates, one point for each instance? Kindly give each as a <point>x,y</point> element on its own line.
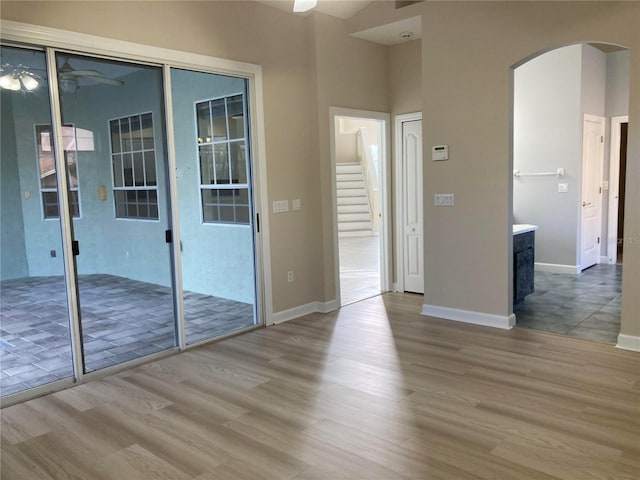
<point>523,279</point>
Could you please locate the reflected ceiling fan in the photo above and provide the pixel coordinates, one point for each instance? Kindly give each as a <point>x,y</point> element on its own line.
<point>68,77</point>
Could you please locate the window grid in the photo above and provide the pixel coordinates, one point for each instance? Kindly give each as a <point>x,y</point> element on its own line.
<point>134,167</point>
<point>223,200</point>
<point>47,172</point>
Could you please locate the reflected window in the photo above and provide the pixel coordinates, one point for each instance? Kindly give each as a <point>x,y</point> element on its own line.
<point>47,170</point>
<point>133,159</point>
<point>222,150</point>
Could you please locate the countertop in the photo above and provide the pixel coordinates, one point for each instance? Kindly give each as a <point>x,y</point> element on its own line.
<point>524,228</point>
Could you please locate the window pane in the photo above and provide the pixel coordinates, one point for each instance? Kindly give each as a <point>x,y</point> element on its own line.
<point>150,168</point>
<point>132,210</point>
<point>115,136</point>
<point>225,196</point>
<point>210,214</point>
<point>242,196</point>
<point>226,214</point>
<point>121,204</point>
<point>153,211</point>
<point>204,122</point>
<point>147,131</point>
<point>235,110</point>
<point>50,204</point>
<point>242,214</point>
<point>219,120</point>
<point>222,163</point>
<point>136,133</point>
<point>75,204</point>
<point>127,158</point>
<point>125,132</point>
<point>118,181</point>
<point>206,165</point>
<point>138,169</point>
<point>238,163</point>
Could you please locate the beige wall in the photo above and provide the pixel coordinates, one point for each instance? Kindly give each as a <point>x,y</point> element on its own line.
<point>350,73</point>
<point>247,32</point>
<point>405,77</point>
<point>468,50</point>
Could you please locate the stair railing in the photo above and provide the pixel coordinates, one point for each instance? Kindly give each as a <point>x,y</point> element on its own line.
<point>369,170</point>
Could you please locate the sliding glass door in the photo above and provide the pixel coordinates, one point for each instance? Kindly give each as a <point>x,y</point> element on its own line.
<point>35,339</point>
<point>114,129</point>
<point>214,203</point>
<point>93,274</point>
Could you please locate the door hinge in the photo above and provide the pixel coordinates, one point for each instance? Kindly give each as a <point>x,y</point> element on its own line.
<point>601,139</point>
<point>168,236</point>
<point>257,222</point>
<point>600,190</point>
<point>598,240</point>
<point>75,247</point>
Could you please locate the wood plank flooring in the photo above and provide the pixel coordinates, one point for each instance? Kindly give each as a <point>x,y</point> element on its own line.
<point>374,391</point>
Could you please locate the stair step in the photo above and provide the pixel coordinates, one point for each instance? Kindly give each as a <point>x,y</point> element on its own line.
<point>348,168</point>
<point>352,192</point>
<point>354,208</point>
<point>354,217</point>
<point>345,177</point>
<point>356,233</point>
<point>350,184</point>
<point>353,201</point>
<point>346,226</point>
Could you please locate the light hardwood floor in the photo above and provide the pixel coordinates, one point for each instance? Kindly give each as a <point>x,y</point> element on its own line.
<point>374,391</point>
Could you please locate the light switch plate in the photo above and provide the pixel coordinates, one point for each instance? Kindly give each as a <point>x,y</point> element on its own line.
<point>563,188</point>
<point>280,206</point>
<point>296,204</point>
<point>443,199</point>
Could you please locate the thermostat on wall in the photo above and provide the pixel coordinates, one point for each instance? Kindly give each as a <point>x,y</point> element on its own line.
<point>440,152</point>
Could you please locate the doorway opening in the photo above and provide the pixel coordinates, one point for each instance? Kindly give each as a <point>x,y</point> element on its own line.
<point>617,181</point>
<point>564,281</point>
<point>359,166</point>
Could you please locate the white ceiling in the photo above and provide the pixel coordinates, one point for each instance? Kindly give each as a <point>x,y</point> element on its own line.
<point>393,33</point>
<point>338,8</point>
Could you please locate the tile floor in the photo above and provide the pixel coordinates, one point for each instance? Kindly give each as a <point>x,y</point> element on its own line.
<point>122,320</point>
<point>584,306</point>
<point>359,268</point>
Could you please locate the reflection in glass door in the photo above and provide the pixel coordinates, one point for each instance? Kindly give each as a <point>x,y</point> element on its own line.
<point>35,340</point>
<point>113,117</point>
<point>215,203</point>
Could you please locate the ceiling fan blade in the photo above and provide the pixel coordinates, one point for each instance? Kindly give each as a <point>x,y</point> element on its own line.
<point>81,73</point>
<point>108,81</point>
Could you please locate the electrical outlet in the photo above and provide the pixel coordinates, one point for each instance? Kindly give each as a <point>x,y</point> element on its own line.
<point>443,200</point>
<point>563,188</point>
<point>290,276</point>
<point>296,204</point>
<point>280,206</point>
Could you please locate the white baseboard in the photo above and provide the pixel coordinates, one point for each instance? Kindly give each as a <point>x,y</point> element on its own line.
<point>557,268</point>
<point>302,310</point>
<point>628,342</point>
<point>467,316</point>
<point>395,287</point>
<point>604,259</point>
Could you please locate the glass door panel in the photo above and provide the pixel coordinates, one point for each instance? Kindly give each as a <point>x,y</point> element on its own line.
<point>215,203</point>
<point>113,135</point>
<point>35,339</point>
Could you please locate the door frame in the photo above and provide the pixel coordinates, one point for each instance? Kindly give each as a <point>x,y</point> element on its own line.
<point>385,181</point>
<point>54,40</point>
<point>614,180</point>
<point>399,196</point>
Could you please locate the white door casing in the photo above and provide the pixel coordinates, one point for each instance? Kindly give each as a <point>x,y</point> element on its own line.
<point>412,206</point>
<point>591,197</point>
<point>614,187</point>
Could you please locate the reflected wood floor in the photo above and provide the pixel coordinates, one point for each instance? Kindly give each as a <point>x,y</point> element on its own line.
<point>374,391</point>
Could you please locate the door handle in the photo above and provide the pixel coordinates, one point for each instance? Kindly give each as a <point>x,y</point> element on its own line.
<point>586,204</point>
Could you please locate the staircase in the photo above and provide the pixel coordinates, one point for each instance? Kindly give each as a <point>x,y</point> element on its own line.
<point>354,213</point>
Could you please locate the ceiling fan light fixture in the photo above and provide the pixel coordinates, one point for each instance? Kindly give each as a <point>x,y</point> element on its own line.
<point>10,82</point>
<point>29,82</point>
<point>300,6</point>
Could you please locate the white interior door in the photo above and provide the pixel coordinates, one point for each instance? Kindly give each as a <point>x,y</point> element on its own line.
<point>412,206</point>
<point>591,213</point>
